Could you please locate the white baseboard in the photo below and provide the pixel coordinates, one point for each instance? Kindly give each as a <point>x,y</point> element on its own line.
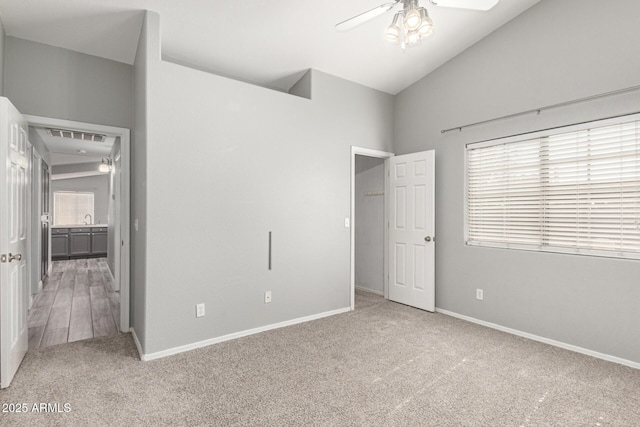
<point>113,280</point>
<point>32,297</point>
<point>137,341</point>
<point>235,335</point>
<point>371,291</point>
<point>560,344</point>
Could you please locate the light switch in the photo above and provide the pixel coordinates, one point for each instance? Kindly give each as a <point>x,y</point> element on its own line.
<point>347,222</point>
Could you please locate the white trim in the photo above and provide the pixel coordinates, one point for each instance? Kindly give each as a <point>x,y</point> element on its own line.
<point>113,279</point>
<point>544,340</point>
<point>381,155</point>
<point>371,291</point>
<point>123,219</point>
<point>137,342</point>
<point>235,335</point>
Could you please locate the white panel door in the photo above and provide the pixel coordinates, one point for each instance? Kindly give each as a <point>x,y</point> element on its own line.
<point>14,196</point>
<point>411,230</point>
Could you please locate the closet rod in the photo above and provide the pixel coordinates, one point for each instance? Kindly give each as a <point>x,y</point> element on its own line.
<point>548,107</point>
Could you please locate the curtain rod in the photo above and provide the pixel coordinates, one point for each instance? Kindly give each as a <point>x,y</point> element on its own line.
<point>548,107</point>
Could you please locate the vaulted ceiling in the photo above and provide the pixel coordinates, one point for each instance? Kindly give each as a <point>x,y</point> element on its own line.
<point>264,42</point>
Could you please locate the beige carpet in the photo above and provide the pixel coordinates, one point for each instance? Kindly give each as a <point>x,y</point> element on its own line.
<point>383,364</point>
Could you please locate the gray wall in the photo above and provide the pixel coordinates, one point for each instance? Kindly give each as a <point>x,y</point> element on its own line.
<point>549,54</point>
<point>230,162</point>
<point>369,224</point>
<point>49,81</point>
<point>99,185</point>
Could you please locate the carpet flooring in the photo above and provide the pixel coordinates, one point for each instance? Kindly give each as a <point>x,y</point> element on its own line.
<point>382,364</point>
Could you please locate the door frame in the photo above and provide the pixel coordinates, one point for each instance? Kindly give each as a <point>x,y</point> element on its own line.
<point>35,237</point>
<point>122,220</point>
<point>367,152</point>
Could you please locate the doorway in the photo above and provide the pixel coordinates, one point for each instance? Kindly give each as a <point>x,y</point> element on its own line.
<point>110,232</point>
<point>409,219</point>
<point>369,240</point>
<point>369,224</point>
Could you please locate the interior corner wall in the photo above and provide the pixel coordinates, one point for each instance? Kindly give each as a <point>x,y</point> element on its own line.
<point>43,80</point>
<point>547,55</point>
<point>229,162</point>
<point>2,48</point>
<point>369,223</point>
<point>147,57</point>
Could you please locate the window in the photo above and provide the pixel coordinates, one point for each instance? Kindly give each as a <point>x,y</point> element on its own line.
<point>573,190</point>
<point>70,207</point>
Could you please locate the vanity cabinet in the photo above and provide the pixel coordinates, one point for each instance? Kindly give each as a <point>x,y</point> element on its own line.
<point>78,242</point>
<point>59,243</point>
<point>99,241</point>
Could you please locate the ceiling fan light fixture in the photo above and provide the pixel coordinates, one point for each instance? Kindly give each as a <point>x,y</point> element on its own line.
<point>410,25</point>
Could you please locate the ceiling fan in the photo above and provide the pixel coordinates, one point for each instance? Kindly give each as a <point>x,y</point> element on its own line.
<point>412,23</point>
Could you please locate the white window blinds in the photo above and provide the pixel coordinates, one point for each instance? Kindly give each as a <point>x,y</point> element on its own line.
<point>572,191</point>
<point>71,208</point>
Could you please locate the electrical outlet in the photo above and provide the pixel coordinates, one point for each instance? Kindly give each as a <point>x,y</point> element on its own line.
<point>267,297</point>
<point>479,294</point>
<point>199,310</point>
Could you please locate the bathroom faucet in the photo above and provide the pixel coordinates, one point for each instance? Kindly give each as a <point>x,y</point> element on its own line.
<point>90,220</point>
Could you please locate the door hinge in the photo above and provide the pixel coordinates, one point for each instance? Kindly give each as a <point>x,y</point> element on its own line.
<point>3,258</point>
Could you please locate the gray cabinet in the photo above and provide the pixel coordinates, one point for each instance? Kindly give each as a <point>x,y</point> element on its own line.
<point>99,241</point>
<point>59,243</point>
<point>78,242</point>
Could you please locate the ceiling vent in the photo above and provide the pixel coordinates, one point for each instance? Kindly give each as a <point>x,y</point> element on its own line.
<point>73,134</point>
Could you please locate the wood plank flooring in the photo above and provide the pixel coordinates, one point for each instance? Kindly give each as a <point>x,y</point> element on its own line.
<point>77,302</point>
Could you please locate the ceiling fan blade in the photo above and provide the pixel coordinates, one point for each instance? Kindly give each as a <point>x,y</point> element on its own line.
<point>365,16</point>
<point>467,4</point>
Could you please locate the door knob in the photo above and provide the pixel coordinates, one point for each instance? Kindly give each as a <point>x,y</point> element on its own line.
<point>427,239</point>
<point>17,257</point>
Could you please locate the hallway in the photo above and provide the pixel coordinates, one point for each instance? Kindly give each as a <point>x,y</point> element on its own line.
<point>77,302</point>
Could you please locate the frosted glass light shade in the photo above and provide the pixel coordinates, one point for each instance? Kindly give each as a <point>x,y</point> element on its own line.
<point>412,20</point>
